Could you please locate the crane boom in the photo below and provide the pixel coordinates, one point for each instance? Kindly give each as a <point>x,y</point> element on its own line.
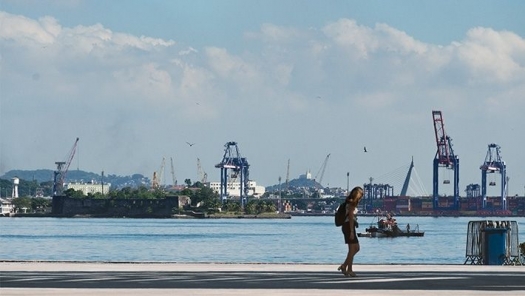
<point>444,153</point>
<point>161,172</point>
<point>173,173</point>
<point>70,157</point>
<point>320,174</point>
<point>202,174</point>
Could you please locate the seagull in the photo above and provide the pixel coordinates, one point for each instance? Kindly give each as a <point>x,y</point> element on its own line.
<point>191,144</point>
<point>365,149</point>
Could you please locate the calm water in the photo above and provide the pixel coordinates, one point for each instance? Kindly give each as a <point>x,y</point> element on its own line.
<point>296,240</point>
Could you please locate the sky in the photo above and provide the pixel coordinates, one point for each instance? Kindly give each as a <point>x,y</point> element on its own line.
<point>289,81</point>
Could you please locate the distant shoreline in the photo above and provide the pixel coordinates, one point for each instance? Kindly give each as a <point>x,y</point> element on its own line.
<point>407,215</point>
<point>245,216</point>
<point>176,216</point>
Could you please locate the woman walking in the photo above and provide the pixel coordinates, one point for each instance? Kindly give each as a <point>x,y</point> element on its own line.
<point>349,230</point>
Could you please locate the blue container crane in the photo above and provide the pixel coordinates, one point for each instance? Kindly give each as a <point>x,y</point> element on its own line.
<point>232,160</point>
<point>494,163</point>
<point>445,157</point>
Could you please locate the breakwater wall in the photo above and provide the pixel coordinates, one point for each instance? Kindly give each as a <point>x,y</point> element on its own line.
<point>156,208</point>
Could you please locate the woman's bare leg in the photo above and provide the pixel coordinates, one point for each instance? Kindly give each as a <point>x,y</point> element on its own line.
<point>352,250</point>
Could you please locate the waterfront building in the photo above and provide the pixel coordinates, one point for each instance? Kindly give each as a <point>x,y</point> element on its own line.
<point>89,187</point>
<point>234,188</point>
<point>6,207</point>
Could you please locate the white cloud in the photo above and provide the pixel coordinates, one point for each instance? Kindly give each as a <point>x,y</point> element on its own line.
<point>273,33</point>
<point>304,90</point>
<point>493,56</point>
<point>27,31</point>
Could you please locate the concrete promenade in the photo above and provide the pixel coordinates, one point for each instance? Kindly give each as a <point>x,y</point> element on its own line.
<point>99,278</point>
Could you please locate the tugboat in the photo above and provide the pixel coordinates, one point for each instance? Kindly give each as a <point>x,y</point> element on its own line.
<point>388,227</point>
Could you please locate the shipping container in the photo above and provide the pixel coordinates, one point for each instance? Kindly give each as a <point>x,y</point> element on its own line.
<point>427,205</point>
<point>416,207</point>
<point>403,202</point>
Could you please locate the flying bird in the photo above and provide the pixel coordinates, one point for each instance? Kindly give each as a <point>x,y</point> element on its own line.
<point>190,144</point>
<point>365,149</point>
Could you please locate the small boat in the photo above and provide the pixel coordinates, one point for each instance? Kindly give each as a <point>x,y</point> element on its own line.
<point>388,227</point>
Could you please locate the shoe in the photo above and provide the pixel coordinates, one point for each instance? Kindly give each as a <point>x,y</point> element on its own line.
<point>342,268</point>
<point>351,274</point>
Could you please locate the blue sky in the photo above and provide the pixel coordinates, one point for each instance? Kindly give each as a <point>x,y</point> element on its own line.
<point>223,23</point>
<point>291,80</point>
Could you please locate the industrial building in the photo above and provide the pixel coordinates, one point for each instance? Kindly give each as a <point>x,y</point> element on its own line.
<point>234,188</point>
<point>89,187</point>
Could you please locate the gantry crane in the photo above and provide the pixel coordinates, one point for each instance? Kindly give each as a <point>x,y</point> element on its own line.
<point>494,163</point>
<point>61,171</point>
<point>446,158</point>
<point>232,160</point>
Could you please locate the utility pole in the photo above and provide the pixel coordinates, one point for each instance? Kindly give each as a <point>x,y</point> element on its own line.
<point>280,196</point>
<point>102,182</point>
<point>347,182</point>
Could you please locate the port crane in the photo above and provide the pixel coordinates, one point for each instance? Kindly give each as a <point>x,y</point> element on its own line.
<point>59,176</point>
<point>203,176</point>
<point>162,170</point>
<point>320,173</point>
<point>446,158</point>
<point>232,160</point>
<point>494,164</point>
<point>174,180</point>
<point>157,177</point>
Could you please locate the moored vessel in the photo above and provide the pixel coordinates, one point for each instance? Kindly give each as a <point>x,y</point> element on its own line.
<point>388,227</point>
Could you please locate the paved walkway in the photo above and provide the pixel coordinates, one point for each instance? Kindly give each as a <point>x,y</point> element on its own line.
<point>79,278</point>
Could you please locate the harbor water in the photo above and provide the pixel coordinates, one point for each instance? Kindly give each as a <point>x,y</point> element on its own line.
<point>296,240</point>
